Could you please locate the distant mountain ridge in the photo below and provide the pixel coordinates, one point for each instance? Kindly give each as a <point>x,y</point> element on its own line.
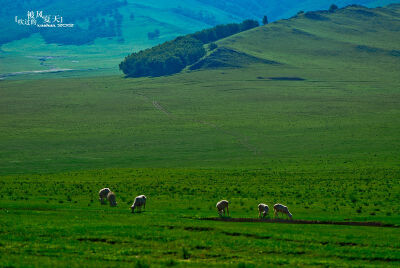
<point>234,51</point>
<point>98,19</point>
<point>107,31</point>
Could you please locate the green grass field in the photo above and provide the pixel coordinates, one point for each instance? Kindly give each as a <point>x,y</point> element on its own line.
<point>56,219</point>
<point>318,132</point>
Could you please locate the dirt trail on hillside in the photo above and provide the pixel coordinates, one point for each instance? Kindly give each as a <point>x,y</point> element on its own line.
<point>160,108</point>
<point>350,223</point>
<point>242,140</point>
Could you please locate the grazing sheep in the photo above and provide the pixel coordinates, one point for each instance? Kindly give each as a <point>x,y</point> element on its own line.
<point>282,209</point>
<point>138,203</point>
<point>263,209</point>
<point>221,206</point>
<point>111,199</point>
<point>103,194</point>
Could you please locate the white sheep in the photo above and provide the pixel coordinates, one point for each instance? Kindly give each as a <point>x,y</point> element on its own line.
<point>138,203</point>
<point>263,209</point>
<point>221,206</point>
<point>282,209</point>
<point>103,194</point>
<point>111,199</point>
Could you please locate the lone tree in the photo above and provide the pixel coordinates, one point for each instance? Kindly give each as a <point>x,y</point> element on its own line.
<point>333,8</point>
<point>265,20</point>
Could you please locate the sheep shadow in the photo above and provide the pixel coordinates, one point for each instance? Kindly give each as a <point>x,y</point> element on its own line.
<point>138,212</point>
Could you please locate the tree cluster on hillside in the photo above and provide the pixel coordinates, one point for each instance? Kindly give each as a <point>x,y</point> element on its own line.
<point>168,58</point>
<point>222,31</point>
<point>173,56</point>
<point>102,17</point>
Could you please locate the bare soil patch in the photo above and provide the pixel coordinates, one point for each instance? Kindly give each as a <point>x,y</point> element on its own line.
<point>350,223</point>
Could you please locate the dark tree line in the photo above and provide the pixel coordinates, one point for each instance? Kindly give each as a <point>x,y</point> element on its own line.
<point>173,56</point>
<point>168,58</point>
<point>222,31</point>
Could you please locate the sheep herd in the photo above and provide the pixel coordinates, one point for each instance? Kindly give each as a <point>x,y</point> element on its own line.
<point>107,194</point>
<point>263,209</point>
<point>222,206</point>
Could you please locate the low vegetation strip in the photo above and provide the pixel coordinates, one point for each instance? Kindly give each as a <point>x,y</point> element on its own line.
<point>351,223</point>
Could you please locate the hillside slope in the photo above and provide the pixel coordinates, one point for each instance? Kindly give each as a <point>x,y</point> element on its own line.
<point>325,40</point>
<point>305,93</point>
<point>126,29</point>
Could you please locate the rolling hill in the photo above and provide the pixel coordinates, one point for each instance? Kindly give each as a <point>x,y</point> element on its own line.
<point>105,32</point>
<point>295,91</point>
<point>321,38</point>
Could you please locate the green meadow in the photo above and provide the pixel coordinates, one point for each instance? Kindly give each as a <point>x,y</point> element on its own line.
<point>317,131</point>
<point>57,220</point>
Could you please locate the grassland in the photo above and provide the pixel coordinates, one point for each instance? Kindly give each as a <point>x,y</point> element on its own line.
<point>56,219</point>
<point>318,132</point>
<point>106,53</point>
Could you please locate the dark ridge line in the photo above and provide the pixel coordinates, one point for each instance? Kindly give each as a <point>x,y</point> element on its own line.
<point>349,223</point>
